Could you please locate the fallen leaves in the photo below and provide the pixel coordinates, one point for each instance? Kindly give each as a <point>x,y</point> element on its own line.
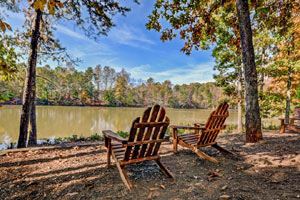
<point>94,179</point>
<point>152,189</point>
<point>234,149</point>
<point>72,193</point>
<point>153,194</point>
<point>213,174</point>
<point>224,187</point>
<point>201,185</point>
<point>225,196</point>
<point>187,191</point>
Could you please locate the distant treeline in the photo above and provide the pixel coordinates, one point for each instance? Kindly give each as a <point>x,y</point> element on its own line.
<point>104,86</point>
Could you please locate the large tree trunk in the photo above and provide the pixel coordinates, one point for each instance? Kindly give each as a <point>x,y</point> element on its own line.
<point>288,96</point>
<point>240,98</point>
<point>32,131</point>
<point>253,120</point>
<point>30,77</point>
<point>262,78</point>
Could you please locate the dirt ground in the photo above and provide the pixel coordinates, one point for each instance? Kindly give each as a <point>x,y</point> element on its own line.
<point>268,170</point>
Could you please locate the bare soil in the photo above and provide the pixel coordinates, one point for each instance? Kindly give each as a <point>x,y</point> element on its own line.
<point>267,170</point>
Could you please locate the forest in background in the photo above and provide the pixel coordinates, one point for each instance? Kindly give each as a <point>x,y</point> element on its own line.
<point>105,86</point>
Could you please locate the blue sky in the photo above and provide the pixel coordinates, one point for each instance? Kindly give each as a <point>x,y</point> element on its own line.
<point>131,46</point>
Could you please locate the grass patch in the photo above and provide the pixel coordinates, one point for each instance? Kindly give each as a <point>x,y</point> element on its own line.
<point>271,127</point>
<point>123,134</point>
<point>96,137</point>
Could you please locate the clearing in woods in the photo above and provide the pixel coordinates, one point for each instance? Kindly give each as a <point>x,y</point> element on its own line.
<point>268,170</point>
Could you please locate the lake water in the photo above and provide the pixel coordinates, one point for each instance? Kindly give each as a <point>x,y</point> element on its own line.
<point>65,121</point>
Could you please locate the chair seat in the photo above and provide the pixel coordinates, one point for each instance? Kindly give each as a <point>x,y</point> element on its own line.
<point>118,150</point>
<point>119,153</point>
<point>293,127</point>
<point>190,138</point>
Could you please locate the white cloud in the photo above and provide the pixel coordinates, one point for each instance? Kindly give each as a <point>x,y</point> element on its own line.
<point>16,15</point>
<point>84,47</point>
<point>192,73</point>
<point>130,36</point>
<point>69,32</point>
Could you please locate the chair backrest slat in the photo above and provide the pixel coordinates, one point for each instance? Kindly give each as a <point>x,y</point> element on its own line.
<point>149,129</point>
<point>140,134</point>
<point>157,130</point>
<point>160,136</point>
<point>153,125</point>
<point>214,124</point>
<point>131,137</point>
<point>150,124</point>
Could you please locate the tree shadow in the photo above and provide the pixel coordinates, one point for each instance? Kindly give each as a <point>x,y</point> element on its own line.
<point>89,177</point>
<point>195,178</point>
<point>42,160</point>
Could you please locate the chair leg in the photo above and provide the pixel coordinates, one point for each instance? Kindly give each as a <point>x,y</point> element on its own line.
<point>223,151</point>
<point>164,169</point>
<point>108,145</point>
<point>282,129</point>
<point>203,155</point>
<point>175,139</point>
<point>175,145</point>
<point>124,176</point>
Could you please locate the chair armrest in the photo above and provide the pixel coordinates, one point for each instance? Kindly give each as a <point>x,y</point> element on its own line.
<point>292,118</point>
<point>186,127</point>
<point>174,129</point>
<point>111,135</point>
<point>199,124</point>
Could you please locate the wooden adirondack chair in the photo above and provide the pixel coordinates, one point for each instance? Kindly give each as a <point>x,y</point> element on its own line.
<point>145,138</point>
<point>289,124</point>
<point>207,135</point>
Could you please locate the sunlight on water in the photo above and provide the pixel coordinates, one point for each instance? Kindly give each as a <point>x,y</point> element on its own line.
<point>5,140</point>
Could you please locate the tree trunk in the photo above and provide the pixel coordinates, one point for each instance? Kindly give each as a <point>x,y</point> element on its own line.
<point>32,131</point>
<point>253,120</point>
<point>240,97</point>
<point>262,79</point>
<point>289,83</point>
<point>30,73</point>
<point>288,96</point>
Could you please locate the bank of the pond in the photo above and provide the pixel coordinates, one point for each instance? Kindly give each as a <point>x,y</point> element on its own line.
<point>101,105</point>
<point>60,142</point>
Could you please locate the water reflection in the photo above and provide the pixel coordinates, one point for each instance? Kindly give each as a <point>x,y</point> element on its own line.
<point>65,121</point>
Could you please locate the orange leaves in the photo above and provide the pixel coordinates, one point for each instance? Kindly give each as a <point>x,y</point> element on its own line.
<point>14,1</point>
<point>4,26</point>
<point>5,68</point>
<point>51,5</point>
<point>39,4</point>
<point>115,4</point>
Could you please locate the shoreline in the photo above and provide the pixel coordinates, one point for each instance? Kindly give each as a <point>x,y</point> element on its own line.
<point>5,152</point>
<point>107,106</point>
<point>55,141</point>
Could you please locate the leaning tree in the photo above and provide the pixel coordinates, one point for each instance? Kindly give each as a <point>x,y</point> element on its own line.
<point>94,17</point>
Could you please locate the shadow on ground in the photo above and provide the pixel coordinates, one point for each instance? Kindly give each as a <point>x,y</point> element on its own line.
<point>268,170</point>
